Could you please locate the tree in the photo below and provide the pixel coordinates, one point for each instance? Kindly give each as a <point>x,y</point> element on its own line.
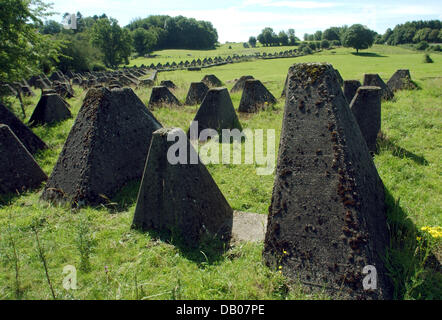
<point>292,37</point>
<point>77,55</point>
<point>252,42</point>
<point>51,27</point>
<point>358,37</point>
<point>268,37</point>
<point>283,38</point>
<point>144,41</point>
<point>23,50</point>
<point>114,42</point>
<point>331,34</point>
<point>318,35</point>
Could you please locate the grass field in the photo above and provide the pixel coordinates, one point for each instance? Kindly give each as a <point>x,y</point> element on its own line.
<point>115,262</point>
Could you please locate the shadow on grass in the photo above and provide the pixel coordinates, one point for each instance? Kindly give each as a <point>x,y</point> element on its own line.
<point>414,270</point>
<point>397,151</point>
<point>210,250</point>
<point>369,54</point>
<point>8,199</point>
<point>124,199</point>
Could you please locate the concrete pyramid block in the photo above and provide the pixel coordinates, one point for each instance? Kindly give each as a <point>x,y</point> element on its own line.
<point>216,112</point>
<point>255,97</point>
<point>239,85</point>
<point>29,139</point>
<point>180,199</point>
<point>18,170</point>
<point>51,108</point>
<point>366,107</point>
<point>162,97</point>
<point>327,218</point>
<point>169,84</point>
<point>401,80</point>
<point>373,80</point>
<point>285,87</point>
<point>196,93</point>
<point>339,78</point>
<point>106,148</point>
<point>212,81</point>
<point>350,88</point>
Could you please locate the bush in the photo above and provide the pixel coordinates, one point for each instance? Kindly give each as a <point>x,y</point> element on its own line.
<point>98,67</point>
<point>422,45</point>
<point>325,44</point>
<point>436,48</point>
<point>307,50</point>
<point>427,58</point>
<point>336,43</point>
<point>246,45</point>
<point>312,46</point>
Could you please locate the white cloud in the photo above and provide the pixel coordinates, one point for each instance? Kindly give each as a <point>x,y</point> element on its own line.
<point>290,4</point>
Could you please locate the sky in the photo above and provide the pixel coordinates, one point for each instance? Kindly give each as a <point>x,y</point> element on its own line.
<point>237,20</point>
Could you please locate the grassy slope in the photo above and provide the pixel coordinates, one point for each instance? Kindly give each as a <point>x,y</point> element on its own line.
<point>408,164</point>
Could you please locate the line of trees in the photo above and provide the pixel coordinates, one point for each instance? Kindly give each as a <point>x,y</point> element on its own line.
<point>269,38</point>
<point>413,32</point>
<point>99,42</point>
<point>165,32</point>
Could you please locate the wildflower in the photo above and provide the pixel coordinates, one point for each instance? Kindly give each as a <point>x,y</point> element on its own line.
<point>435,232</point>
<point>285,252</point>
<point>280,268</point>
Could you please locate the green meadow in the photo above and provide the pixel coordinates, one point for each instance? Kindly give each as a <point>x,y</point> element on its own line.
<point>115,262</point>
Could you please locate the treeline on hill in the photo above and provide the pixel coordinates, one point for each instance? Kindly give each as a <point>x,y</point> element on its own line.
<point>269,38</point>
<point>420,33</point>
<point>165,32</point>
<point>357,36</point>
<point>99,42</point>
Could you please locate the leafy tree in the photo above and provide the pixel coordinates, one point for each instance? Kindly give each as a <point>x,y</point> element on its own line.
<point>318,35</point>
<point>144,41</point>
<point>114,42</point>
<point>268,37</point>
<point>292,37</point>
<point>51,27</point>
<point>252,42</point>
<point>23,50</point>
<point>77,55</point>
<point>358,37</point>
<point>283,38</point>
<point>331,34</point>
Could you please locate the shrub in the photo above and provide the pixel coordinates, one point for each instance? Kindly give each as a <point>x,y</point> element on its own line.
<point>98,67</point>
<point>307,50</point>
<point>427,58</point>
<point>325,44</point>
<point>422,45</point>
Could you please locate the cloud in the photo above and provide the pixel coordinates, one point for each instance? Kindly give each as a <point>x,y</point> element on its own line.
<point>291,4</point>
